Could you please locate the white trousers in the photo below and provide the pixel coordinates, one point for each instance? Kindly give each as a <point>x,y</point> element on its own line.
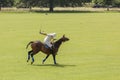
<point>48,44</point>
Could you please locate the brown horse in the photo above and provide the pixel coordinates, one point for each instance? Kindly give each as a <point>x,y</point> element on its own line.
<point>39,46</point>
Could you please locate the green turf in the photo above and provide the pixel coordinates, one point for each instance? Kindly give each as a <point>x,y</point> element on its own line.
<point>93,52</point>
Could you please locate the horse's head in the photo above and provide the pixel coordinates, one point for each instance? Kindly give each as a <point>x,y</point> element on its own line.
<point>64,38</point>
<point>58,42</point>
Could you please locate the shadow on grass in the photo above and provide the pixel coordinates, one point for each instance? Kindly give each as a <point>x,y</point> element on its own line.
<point>54,65</point>
<point>73,11</point>
<point>65,11</point>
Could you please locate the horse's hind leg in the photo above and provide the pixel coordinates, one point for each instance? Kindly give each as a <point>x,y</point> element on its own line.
<point>29,53</point>
<point>32,58</point>
<point>45,59</point>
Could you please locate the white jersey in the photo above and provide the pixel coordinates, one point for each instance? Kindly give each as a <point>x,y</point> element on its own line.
<point>48,38</point>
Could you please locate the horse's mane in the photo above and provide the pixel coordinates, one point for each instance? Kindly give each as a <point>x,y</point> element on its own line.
<point>58,43</point>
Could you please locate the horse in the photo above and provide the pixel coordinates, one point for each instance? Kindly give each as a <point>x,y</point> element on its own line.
<point>38,46</point>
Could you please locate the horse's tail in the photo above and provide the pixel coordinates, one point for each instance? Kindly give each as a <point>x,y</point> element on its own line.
<point>29,44</point>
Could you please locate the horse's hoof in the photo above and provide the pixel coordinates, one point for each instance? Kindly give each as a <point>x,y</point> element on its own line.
<point>55,63</point>
<point>42,62</point>
<point>31,63</point>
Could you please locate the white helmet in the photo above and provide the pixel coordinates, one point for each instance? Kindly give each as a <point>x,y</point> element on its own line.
<point>53,34</point>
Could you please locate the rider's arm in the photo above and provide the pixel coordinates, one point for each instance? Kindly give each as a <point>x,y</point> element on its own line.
<point>43,33</point>
<point>53,40</point>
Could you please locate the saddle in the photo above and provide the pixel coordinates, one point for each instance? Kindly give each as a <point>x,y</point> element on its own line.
<point>46,46</point>
<point>51,49</point>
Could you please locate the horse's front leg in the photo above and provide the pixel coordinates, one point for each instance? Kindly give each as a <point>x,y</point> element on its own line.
<point>54,58</point>
<point>45,59</point>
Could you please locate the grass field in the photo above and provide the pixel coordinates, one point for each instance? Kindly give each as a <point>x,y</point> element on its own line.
<point>93,52</point>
